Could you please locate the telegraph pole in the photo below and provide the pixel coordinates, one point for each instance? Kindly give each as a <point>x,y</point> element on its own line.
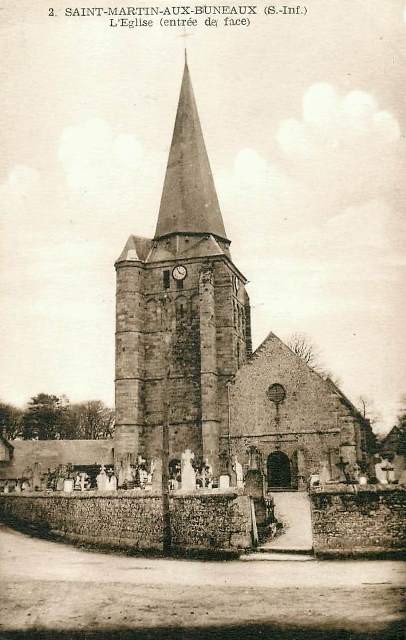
<point>166,515</point>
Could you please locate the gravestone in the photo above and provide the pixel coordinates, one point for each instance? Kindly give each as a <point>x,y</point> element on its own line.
<point>77,483</point>
<point>254,459</point>
<point>254,483</point>
<point>83,480</point>
<point>390,471</point>
<point>188,474</point>
<point>324,473</point>
<point>238,473</point>
<point>125,472</point>
<point>208,474</point>
<point>142,476</point>
<point>231,473</point>
<point>381,473</point>
<point>156,483</point>
<point>121,474</point>
<point>102,479</point>
<point>111,484</point>
<point>68,485</point>
<point>224,482</point>
<point>36,477</point>
<point>27,479</point>
<point>355,471</point>
<point>314,480</point>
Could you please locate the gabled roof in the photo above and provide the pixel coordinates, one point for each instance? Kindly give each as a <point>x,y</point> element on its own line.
<point>395,441</point>
<point>271,337</point>
<point>189,201</point>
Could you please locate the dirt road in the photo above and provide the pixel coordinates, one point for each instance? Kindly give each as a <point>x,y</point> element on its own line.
<point>50,590</point>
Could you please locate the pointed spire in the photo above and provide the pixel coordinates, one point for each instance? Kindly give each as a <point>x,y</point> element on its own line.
<point>189,201</point>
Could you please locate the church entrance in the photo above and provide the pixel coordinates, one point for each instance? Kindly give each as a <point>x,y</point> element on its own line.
<point>278,471</point>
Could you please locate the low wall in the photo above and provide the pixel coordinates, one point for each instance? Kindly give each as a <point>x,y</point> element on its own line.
<point>200,521</point>
<point>369,522</point>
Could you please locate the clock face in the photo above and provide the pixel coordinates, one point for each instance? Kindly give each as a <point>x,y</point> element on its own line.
<point>179,272</point>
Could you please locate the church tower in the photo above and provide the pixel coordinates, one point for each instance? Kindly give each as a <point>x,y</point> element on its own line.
<point>182,313</point>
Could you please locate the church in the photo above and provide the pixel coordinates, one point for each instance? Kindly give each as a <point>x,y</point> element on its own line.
<point>184,356</point>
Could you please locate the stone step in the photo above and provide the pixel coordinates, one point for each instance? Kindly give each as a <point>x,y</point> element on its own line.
<point>276,557</point>
<point>298,551</point>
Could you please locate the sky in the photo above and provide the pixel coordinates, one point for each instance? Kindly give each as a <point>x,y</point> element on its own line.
<point>304,119</point>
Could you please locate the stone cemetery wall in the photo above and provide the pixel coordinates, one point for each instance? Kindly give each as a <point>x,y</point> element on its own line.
<point>371,521</point>
<point>51,453</point>
<point>200,521</point>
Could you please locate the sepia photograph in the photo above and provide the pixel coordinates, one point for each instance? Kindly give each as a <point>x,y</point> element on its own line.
<point>202,321</point>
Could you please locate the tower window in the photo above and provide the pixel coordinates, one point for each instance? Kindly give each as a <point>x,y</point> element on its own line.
<point>179,284</point>
<point>166,279</point>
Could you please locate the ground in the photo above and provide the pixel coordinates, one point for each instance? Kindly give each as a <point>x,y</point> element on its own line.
<point>53,590</point>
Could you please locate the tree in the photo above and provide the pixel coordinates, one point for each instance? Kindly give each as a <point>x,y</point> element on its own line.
<point>303,346</point>
<point>10,421</point>
<point>46,418</point>
<point>91,420</point>
<point>368,410</point>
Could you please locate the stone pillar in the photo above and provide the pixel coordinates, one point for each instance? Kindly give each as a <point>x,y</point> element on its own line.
<point>301,470</point>
<point>208,370</point>
<point>248,338</point>
<point>129,360</point>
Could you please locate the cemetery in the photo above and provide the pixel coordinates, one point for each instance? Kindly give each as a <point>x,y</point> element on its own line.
<point>230,514</point>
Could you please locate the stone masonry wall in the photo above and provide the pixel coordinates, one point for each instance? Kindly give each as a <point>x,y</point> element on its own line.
<point>308,425</point>
<point>207,329</point>
<point>200,521</point>
<point>371,521</point>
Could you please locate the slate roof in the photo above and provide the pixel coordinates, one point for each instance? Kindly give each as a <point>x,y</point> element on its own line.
<point>189,201</point>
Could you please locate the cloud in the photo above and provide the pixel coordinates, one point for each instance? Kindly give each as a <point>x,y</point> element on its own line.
<point>343,153</point>
<point>332,122</point>
<point>347,141</point>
